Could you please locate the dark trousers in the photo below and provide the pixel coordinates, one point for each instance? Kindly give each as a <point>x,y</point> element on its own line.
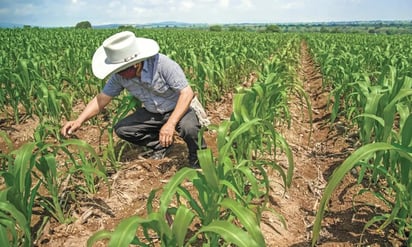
<point>142,128</point>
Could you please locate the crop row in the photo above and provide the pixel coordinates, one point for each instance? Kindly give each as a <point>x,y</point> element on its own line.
<point>370,82</point>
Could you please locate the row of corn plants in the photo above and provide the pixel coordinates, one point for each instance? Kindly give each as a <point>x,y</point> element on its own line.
<point>34,178</point>
<point>370,79</point>
<point>47,71</point>
<point>37,75</point>
<point>224,201</point>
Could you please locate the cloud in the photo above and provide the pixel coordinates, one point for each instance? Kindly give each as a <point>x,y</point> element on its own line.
<point>24,9</point>
<point>246,4</point>
<point>186,5</point>
<point>293,5</point>
<point>223,3</point>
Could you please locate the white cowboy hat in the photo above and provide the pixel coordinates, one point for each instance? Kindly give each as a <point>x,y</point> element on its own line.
<point>120,51</point>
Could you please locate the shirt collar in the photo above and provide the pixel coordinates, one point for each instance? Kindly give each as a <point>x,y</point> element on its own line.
<point>149,68</point>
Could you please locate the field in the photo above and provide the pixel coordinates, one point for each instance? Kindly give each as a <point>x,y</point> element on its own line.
<point>310,144</point>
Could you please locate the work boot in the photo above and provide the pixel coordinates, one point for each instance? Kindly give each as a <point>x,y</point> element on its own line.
<point>194,163</point>
<point>160,153</point>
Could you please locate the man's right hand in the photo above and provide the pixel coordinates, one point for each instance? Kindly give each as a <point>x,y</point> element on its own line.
<point>91,110</point>
<point>69,128</point>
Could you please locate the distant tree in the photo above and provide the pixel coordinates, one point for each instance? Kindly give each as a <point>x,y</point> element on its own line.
<point>324,30</point>
<point>272,29</point>
<point>84,25</point>
<point>371,30</point>
<point>26,26</point>
<point>126,27</point>
<point>336,30</point>
<point>236,28</point>
<point>215,28</point>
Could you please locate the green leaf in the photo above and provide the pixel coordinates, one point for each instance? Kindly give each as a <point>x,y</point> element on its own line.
<point>100,235</point>
<point>22,165</point>
<point>208,167</point>
<point>406,132</point>
<point>230,233</point>
<point>244,127</point>
<point>248,219</point>
<point>172,186</point>
<point>181,224</point>
<point>124,232</point>
<point>20,219</point>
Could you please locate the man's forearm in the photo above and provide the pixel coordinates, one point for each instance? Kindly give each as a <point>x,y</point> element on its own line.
<point>183,103</point>
<point>96,105</point>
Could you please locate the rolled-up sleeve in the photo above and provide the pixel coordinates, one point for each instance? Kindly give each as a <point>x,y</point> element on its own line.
<point>113,88</point>
<point>173,74</point>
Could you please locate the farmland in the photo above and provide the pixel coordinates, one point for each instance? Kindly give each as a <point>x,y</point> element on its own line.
<point>310,143</point>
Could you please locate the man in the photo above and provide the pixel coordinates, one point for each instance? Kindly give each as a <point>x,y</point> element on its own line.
<point>136,65</point>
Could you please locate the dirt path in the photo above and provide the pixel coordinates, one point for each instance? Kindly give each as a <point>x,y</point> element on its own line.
<point>309,145</point>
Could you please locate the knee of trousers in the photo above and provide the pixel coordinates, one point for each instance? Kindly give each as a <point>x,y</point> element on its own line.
<point>190,131</point>
<point>121,131</point>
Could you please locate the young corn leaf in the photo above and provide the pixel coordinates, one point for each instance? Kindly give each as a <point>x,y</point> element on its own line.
<point>6,139</point>
<point>230,233</point>
<point>181,224</point>
<point>244,127</point>
<point>98,236</point>
<point>247,218</point>
<point>23,165</point>
<point>389,112</point>
<point>406,133</point>
<point>124,232</point>
<point>7,231</point>
<point>208,168</point>
<point>20,219</point>
<point>172,186</point>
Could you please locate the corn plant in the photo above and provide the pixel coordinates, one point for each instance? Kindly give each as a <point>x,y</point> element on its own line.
<point>33,165</point>
<point>56,104</point>
<point>208,206</point>
<point>18,197</point>
<point>14,226</point>
<point>401,208</point>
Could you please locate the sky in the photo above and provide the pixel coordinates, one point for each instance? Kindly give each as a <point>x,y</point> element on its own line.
<point>60,13</point>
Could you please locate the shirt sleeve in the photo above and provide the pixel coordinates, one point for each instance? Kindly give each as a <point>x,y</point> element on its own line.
<point>173,74</point>
<point>112,87</point>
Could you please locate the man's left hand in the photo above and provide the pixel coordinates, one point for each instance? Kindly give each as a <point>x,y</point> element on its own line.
<point>166,135</point>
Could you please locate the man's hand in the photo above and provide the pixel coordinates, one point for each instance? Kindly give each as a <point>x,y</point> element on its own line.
<point>168,129</point>
<point>69,128</point>
<point>92,109</point>
<point>166,134</point>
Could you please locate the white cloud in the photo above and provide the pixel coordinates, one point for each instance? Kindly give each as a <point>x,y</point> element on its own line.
<point>223,3</point>
<point>186,5</point>
<point>139,10</point>
<point>293,5</point>
<point>246,4</point>
<point>25,9</point>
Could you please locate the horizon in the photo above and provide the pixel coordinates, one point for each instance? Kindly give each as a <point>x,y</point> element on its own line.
<point>8,24</point>
<point>48,13</point>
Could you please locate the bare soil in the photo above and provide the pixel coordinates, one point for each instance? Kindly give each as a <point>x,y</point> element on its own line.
<point>318,149</point>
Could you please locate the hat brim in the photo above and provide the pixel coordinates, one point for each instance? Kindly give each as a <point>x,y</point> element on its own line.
<point>102,68</point>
